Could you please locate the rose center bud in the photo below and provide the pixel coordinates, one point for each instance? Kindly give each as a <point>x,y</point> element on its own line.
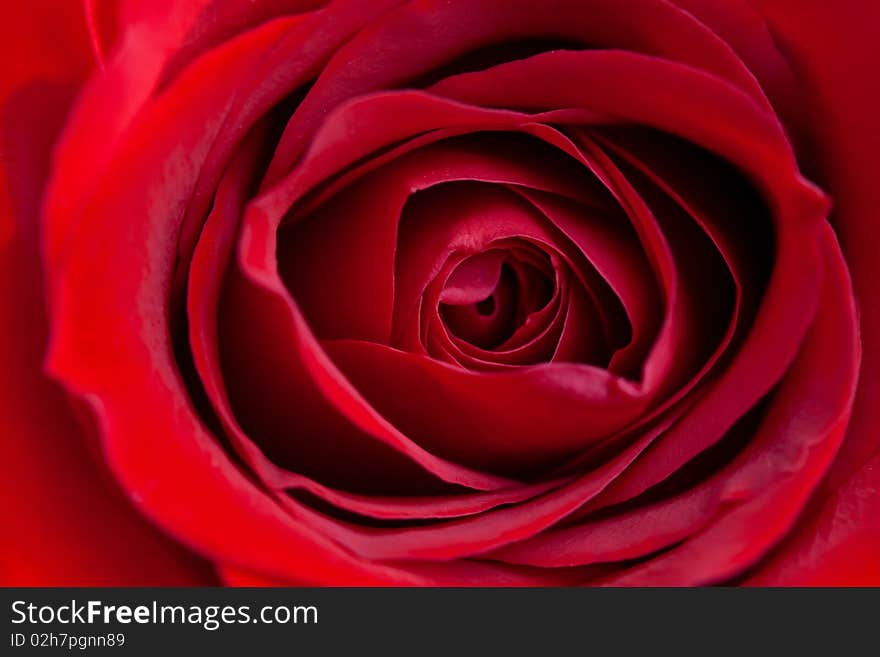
<point>490,296</point>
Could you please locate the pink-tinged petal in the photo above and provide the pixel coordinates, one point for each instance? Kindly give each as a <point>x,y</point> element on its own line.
<point>533,334</point>
<point>473,280</point>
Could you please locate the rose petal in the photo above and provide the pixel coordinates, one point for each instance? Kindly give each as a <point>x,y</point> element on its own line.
<point>801,450</point>
<point>728,125</point>
<point>102,331</point>
<point>771,478</point>
<point>828,45</point>
<point>209,262</point>
<point>64,520</point>
<point>411,40</point>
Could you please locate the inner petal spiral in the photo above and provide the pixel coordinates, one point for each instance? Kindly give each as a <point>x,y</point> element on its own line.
<point>490,296</point>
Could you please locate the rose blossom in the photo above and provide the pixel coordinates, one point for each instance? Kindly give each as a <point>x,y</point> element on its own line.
<point>440,293</point>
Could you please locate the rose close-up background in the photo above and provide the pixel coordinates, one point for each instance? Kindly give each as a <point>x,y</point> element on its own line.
<point>439,292</point>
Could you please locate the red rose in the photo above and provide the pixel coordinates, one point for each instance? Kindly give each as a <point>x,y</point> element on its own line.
<point>440,293</point>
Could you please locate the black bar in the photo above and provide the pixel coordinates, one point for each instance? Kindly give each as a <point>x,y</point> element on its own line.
<point>456,622</point>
